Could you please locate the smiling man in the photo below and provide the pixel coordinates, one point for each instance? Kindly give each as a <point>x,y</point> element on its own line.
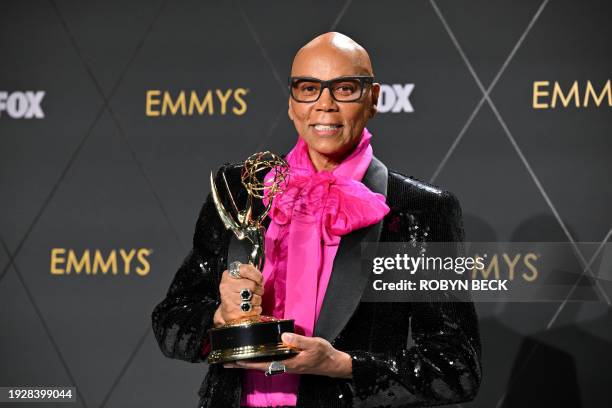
<point>331,122</point>
<point>338,196</point>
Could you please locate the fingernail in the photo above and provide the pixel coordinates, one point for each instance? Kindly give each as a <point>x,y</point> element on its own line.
<point>287,337</point>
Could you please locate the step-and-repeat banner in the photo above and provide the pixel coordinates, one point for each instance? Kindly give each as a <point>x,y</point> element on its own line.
<point>113,114</point>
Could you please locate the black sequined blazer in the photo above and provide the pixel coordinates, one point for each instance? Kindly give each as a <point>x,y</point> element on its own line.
<point>404,354</point>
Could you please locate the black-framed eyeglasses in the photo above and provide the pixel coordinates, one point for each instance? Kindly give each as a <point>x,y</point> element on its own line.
<point>342,89</point>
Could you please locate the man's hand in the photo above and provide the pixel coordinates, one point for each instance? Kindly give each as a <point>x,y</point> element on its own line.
<point>229,290</point>
<point>317,356</point>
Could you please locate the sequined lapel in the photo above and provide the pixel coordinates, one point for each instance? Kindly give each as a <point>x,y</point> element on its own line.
<point>347,281</point>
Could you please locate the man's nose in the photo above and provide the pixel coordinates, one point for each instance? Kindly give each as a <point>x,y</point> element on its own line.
<point>326,102</point>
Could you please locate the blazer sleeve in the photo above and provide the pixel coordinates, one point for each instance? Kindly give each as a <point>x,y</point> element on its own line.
<point>181,320</point>
<point>443,364</point>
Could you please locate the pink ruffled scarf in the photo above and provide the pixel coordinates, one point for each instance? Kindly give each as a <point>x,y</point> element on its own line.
<point>307,221</point>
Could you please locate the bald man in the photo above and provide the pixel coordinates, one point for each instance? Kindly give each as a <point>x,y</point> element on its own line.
<point>359,353</point>
<point>329,56</point>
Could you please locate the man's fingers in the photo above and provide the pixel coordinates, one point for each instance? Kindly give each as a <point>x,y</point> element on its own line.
<point>294,363</point>
<point>256,365</point>
<point>230,288</point>
<point>236,285</point>
<point>231,285</point>
<point>250,285</point>
<point>248,271</point>
<point>256,310</point>
<point>296,340</point>
<point>234,312</point>
<point>256,300</point>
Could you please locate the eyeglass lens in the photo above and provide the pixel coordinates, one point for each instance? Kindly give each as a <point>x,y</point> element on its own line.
<point>343,90</point>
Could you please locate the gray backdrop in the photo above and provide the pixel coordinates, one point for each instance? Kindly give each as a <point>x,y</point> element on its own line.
<point>85,167</point>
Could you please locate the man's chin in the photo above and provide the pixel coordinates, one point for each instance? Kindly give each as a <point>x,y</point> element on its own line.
<point>327,147</point>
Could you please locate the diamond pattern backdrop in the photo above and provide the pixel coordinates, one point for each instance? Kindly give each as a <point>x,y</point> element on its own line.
<point>98,173</point>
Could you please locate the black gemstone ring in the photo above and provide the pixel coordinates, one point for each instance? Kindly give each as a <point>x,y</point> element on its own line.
<point>246,294</point>
<point>245,306</point>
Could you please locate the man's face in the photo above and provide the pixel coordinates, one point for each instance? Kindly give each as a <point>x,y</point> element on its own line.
<point>346,118</point>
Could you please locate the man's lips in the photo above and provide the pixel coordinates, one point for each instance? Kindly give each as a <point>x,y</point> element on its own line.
<point>326,129</point>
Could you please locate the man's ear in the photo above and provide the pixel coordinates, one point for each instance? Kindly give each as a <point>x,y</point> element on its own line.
<point>289,110</point>
<point>375,95</point>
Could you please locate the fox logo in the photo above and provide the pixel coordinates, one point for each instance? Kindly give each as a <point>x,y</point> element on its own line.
<point>22,105</point>
<point>395,98</point>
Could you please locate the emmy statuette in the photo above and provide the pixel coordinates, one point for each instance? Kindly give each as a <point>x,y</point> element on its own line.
<point>253,337</point>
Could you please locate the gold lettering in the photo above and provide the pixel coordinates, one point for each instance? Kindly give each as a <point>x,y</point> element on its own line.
<point>145,263</point>
<point>493,265</point>
<point>55,259</point>
<point>195,105</point>
<point>590,92</point>
<point>174,106</point>
<point>565,99</point>
<point>93,262</point>
<point>100,264</point>
<point>238,98</point>
<point>530,278</point>
<point>511,264</point>
<point>537,93</point>
<point>223,97</point>
<point>207,103</point>
<point>78,265</point>
<point>150,102</point>
<point>127,259</point>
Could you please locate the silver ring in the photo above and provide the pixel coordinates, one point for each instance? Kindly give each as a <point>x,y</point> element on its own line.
<point>246,294</point>
<point>234,269</point>
<point>275,368</point>
<point>246,306</point>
